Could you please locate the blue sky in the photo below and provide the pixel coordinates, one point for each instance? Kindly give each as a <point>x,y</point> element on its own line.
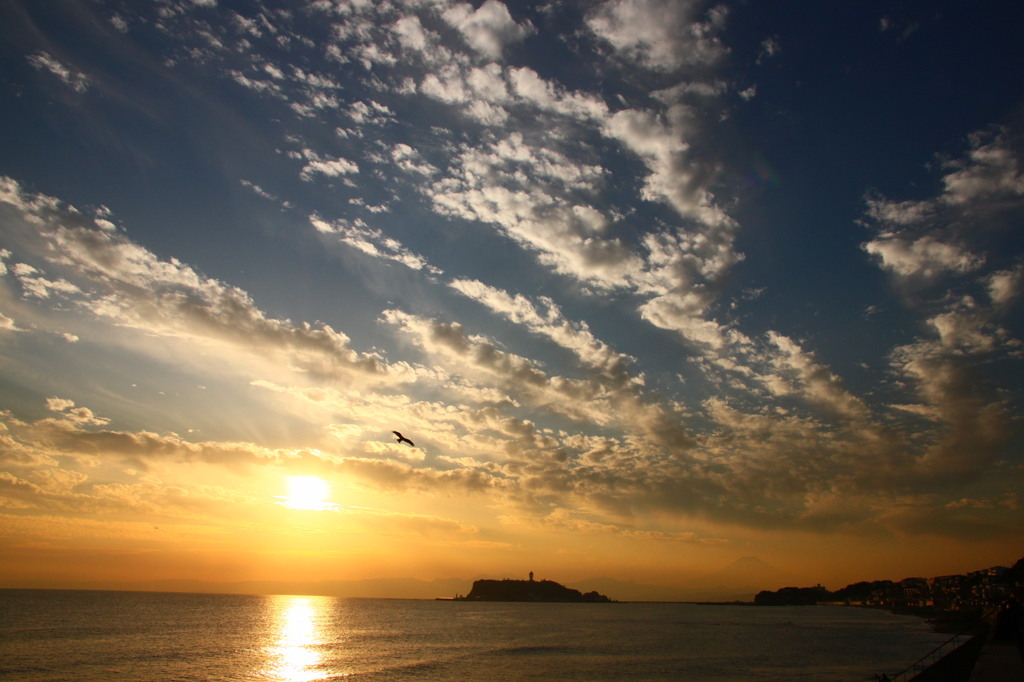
<point>648,282</point>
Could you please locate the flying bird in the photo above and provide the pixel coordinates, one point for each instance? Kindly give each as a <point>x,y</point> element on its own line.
<point>403,439</point>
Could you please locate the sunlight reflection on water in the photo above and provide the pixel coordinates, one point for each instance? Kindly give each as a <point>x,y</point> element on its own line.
<point>100,636</point>
<point>295,656</point>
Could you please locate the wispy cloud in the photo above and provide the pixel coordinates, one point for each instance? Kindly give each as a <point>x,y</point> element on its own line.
<point>130,286</point>
<point>71,77</point>
<point>372,242</point>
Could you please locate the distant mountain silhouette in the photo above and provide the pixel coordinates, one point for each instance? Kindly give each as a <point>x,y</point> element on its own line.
<point>383,588</point>
<point>628,590</point>
<point>743,578</point>
<point>739,581</point>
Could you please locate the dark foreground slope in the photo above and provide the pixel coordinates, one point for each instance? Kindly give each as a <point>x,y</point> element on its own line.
<point>529,590</point>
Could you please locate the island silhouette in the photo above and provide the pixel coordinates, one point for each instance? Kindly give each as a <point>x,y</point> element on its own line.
<point>530,591</point>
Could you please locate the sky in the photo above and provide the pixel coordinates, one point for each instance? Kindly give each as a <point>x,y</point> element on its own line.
<point>652,286</point>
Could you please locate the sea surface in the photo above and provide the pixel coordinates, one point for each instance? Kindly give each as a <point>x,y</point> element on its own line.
<point>91,636</point>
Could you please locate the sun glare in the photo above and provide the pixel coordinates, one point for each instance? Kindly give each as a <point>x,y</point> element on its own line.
<point>308,492</point>
<point>296,655</point>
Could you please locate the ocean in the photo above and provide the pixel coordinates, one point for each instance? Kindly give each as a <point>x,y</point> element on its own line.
<point>93,636</point>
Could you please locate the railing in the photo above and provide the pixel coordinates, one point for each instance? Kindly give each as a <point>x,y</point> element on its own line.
<point>929,659</point>
<point>939,652</point>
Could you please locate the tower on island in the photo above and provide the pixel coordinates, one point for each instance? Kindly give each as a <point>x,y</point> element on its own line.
<point>531,576</point>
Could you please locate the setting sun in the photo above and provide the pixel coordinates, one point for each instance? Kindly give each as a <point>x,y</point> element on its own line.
<point>307,492</point>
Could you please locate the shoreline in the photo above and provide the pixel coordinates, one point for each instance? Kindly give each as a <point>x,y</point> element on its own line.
<point>944,621</point>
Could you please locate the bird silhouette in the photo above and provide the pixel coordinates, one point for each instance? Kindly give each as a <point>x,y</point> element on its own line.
<point>403,439</point>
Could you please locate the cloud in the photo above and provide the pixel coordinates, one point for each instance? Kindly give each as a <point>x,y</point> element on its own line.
<point>141,450</point>
<point>547,96</point>
<point>550,322</point>
<point>519,189</point>
<point>74,79</point>
<point>1005,285</point>
<point>933,237</point>
<point>769,469</point>
<point>8,325</point>
<point>527,188</point>
<point>974,425</point>
<point>598,400</point>
<point>662,35</point>
<point>528,181</point>
<point>77,415</point>
<point>683,313</point>
<point>941,241</point>
<point>680,270</point>
<point>34,284</point>
<point>489,29</point>
<point>822,387</point>
<point>262,193</point>
<point>622,200</point>
<point>476,353</point>
<point>261,86</point>
<point>967,327</point>
<point>925,257</point>
<point>991,170</point>
<point>770,47</point>
<point>331,167</point>
<point>120,281</point>
<point>372,242</point>
<point>411,161</point>
<point>41,487</point>
<point>411,33</point>
<point>677,178</point>
<point>371,112</point>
